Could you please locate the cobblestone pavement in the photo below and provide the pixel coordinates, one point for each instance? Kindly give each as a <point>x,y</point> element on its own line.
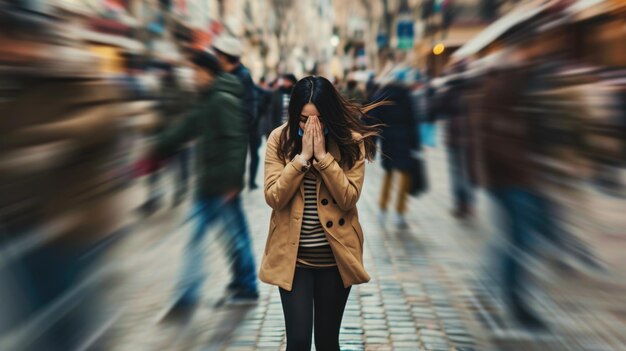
<point>431,288</point>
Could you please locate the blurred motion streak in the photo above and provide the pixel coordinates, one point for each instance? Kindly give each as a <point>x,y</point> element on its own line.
<point>528,98</point>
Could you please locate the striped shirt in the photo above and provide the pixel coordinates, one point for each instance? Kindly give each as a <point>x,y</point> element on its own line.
<point>314,249</point>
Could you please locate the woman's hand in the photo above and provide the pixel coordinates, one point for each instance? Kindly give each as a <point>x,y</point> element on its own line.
<point>319,142</point>
<point>307,140</point>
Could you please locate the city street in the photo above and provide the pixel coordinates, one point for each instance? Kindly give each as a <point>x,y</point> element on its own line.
<point>431,287</point>
<point>121,116</point>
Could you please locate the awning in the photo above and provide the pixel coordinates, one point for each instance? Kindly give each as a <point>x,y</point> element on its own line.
<point>498,28</point>
<point>130,45</point>
<point>586,9</point>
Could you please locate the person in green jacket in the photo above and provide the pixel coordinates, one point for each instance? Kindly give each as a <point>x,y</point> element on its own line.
<point>218,124</point>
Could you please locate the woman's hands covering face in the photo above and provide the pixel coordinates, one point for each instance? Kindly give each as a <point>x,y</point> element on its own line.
<point>313,140</point>
<point>307,140</point>
<point>319,141</point>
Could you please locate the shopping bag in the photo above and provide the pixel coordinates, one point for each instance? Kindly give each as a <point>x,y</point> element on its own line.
<point>428,134</point>
<point>419,178</point>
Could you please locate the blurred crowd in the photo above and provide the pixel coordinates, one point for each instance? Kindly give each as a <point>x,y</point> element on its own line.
<point>538,124</point>
<point>535,125</point>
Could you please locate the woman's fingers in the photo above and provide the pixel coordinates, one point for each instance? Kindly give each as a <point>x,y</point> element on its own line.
<point>310,124</point>
<point>318,126</point>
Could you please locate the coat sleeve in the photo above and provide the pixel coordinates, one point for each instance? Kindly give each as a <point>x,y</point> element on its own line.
<point>281,180</point>
<point>344,185</point>
<point>169,142</point>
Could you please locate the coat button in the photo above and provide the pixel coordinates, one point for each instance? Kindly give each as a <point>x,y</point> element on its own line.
<point>324,202</point>
<point>329,224</point>
<point>342,222</point>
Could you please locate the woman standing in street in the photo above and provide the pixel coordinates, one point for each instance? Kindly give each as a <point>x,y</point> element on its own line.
<point>314,169</point>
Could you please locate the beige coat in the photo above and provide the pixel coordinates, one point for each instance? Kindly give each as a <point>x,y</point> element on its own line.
<point>337,193</point>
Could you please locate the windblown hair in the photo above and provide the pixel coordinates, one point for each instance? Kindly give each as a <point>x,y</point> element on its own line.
<point>340,116</point>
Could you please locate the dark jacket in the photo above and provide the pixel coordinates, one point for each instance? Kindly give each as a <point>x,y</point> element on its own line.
<point>172,104</point>
<point>453,107</point>
<point>276,108</point>
<point>250,94</point>
<point>218,122</point>
<point>506,132</point>
<point>264,100</point>
<point>400,136</point>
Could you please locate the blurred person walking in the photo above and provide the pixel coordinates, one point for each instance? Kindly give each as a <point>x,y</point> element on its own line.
<point>353,93</point>
<point>171,106</point>
<point>264,100</point>
<point>229,52</point>
<point>278,113</point>
<point>371,87</point>
<point>314,169</point>
<point>264,94</point>
<point>219,124</point>
<point>400,143</point>
<point>510,177</point>
<point>452,106</point>
<point>62,198</point>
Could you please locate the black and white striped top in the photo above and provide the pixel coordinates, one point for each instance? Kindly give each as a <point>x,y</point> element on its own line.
<point>314,250</point>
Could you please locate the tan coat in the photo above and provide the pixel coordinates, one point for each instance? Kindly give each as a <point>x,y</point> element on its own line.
<point>338,190</point>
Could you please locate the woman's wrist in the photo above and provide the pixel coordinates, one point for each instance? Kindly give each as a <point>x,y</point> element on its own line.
<point>305,158</point>
<point>320,157</point>
<point>304,165</point>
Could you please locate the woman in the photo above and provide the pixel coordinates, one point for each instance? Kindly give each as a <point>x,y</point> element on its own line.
<point>314,168</point>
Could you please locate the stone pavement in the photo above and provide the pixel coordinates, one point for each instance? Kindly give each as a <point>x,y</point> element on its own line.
<point>431,287</point>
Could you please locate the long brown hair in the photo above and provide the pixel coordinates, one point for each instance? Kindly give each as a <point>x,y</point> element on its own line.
<point>339,115</point>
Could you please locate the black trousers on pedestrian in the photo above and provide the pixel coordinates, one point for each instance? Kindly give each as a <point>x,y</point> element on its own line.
<point>317,298</point>
<point>254,144</point>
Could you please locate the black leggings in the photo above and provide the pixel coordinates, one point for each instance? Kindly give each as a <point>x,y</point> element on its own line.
<point>319,289</point>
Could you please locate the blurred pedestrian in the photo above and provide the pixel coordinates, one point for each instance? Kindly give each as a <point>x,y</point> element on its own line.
<point>264,100</point>
<point>353,93</point>
<point>371,87</point>
<point>400,143</point>
<point>278,113</point>
<point>510,179</point>
<point>171,106</point>
<point>453,108</point>
<point>229,51</point>
<point>62,196</point>
<point>314,171</point>
<point>219,124</point>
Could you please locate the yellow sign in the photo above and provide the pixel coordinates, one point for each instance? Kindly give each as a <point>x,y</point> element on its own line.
<point>110,59</point>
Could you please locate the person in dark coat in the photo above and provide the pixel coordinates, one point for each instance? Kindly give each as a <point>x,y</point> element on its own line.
<point>280,101</point>
<point>171,106</point>
<point>510,177</point>
<point>353,93</point>
<point>400,142</point>
<point>264,99</point>
<point>453,107</point>
<point>229,51</point>
<point>218,123</point>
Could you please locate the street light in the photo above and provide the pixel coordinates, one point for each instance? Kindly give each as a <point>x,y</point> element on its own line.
<point>439,49</point>
<point>334,41</point>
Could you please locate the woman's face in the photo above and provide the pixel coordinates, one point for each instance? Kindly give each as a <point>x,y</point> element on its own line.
<point>309,110</point>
